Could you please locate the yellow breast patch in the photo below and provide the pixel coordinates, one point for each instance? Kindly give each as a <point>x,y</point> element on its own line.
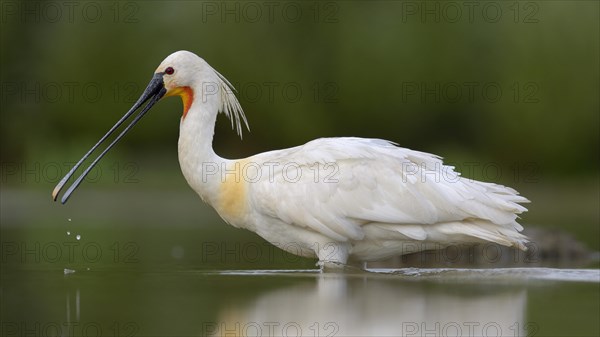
<point>232,201</point>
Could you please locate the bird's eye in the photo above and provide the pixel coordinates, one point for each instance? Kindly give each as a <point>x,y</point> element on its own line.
<point>169,71</point>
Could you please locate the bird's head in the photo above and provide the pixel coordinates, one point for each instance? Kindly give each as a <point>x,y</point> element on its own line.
<point>185,74</point>
<point>182,69</point>
<point>181,74</point>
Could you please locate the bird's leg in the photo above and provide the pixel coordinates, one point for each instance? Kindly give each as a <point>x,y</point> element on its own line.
<point>333,257</point>
<point>335,267</point>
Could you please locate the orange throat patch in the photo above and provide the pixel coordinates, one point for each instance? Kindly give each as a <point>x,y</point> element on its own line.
<point>187,96</point>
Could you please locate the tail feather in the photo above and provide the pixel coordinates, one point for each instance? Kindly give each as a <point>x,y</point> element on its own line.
<point>480,229</point>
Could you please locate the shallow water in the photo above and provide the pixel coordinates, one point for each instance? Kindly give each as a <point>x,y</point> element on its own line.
<point>412,302</point>
<point>191,275</point>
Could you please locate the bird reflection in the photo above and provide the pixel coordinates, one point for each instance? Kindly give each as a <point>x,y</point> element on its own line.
<point>355,305</point>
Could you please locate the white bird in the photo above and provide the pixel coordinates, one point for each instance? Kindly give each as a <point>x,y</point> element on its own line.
<point>341,200</point>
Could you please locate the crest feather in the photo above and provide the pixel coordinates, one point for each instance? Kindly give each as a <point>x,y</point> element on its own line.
<point>230,105</point>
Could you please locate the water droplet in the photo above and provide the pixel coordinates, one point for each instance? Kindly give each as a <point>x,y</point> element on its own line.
<point>69,219</point>
<point>68,233</point>
<point>78,237</point>
<point>68,271</point>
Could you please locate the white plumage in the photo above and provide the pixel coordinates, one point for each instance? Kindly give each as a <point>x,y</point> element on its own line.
<point>337,199</point>
<point>355,199</point>
<point>381,200</point>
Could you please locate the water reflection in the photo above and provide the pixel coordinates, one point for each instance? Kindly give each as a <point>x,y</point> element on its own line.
<point>77,308</point>
<point>103,302</point>
<point>349,305</point>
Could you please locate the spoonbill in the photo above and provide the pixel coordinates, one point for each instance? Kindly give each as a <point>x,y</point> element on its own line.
<point>341,200</point>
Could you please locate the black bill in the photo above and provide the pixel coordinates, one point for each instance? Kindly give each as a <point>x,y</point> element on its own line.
<point>154,91</point>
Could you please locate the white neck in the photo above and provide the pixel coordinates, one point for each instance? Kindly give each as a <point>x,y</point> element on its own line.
<point>200,165</point>
<point>196,155</point>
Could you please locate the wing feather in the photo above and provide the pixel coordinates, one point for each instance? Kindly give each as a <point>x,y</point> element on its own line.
<point>378,182</point>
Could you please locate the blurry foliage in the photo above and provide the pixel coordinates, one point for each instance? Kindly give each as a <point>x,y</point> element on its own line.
<point>353,62</point>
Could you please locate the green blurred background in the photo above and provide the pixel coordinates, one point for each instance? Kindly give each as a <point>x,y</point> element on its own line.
<point>506,91</point>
